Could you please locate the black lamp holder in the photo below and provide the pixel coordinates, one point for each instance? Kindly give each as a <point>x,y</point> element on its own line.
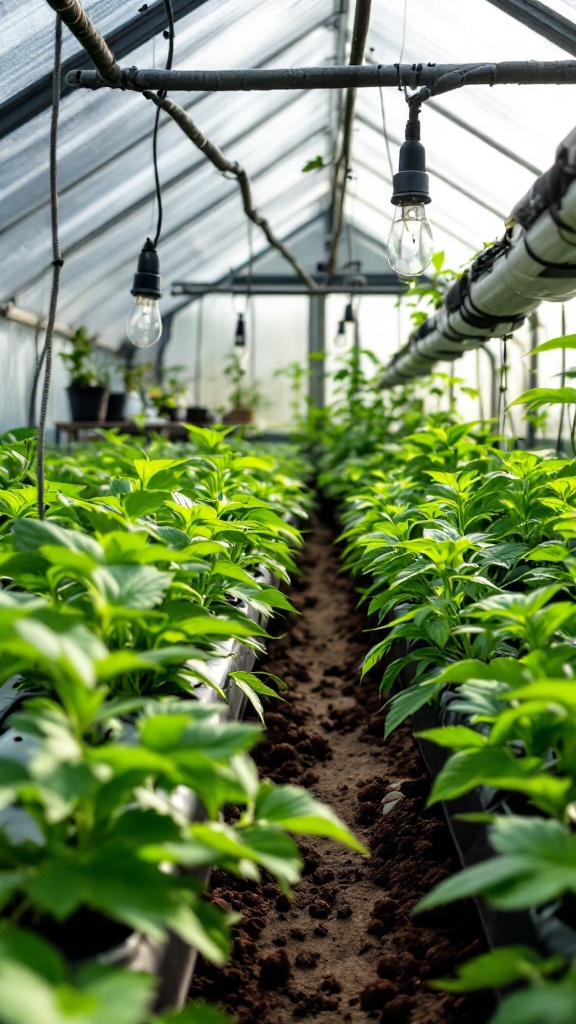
<point>240,336</point>
<point>349,315</point>
<point>147,279</point>
<point>411,183</point>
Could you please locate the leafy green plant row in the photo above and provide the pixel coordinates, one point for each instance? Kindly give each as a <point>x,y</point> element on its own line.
<point>110,611</point>
<point>463,551</point>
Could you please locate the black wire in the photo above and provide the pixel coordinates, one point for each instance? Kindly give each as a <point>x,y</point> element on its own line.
<point>562,383</point>
<point>169,60</point>
<point>384,129</point>
<point>57,263</point>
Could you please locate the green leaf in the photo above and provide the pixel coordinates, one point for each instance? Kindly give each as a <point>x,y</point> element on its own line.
<point>298,811</point>
<point>497,969</point>
<point>194,1013</point>
<point>552,1002</point>
<point>408,702</point>
<point>565,341</point>
<point>537,397</point>
<point>132,586</point>
<point>313,165</point>
<point>31,534</point>
<point>456,737</point>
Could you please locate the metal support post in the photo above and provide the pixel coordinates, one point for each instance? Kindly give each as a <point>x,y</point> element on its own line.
<point>316,345</point>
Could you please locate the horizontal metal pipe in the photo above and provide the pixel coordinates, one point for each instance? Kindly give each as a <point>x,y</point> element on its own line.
<point>27,319</point>
<point>242,288</point>
<point>515,72</point>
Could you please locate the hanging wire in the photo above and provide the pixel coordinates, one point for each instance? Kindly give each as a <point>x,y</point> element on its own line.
<point>562,383</point>
<point>57,264</point>
<point>169,61</point>
<point>39,356</point>
<point>479,386</point>
<point>403,33</point>
<point>199,342</point>
<point>385,131</point>
<point>503,388</point>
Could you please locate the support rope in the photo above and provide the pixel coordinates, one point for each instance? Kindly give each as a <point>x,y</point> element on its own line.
<point>57,264</point>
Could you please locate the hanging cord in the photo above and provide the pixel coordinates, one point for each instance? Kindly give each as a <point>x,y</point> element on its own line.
<point>249,307</point>
<point>385,131</point>
<point>503,388</point>
<point>562,383</point>
<point>405,18</point>
<point>199,342</point>
<point>479,386</point>
<point>162,96</point>
<point>57,264</point>
<point>39,364</point>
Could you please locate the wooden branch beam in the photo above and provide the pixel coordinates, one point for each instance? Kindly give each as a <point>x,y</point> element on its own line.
<point>110,73</point>
<point>221,162</point>
<point>82,26</point>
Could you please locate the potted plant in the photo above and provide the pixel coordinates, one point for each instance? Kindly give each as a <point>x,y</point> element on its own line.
<point>244,397</point>
<point>129,398</point>
<point>168,395</point>
<point>89,386</point>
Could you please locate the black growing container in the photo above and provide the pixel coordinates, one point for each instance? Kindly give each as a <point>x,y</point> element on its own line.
<point>116,403</point>
<point>88,404</point>
<point>197,415</point>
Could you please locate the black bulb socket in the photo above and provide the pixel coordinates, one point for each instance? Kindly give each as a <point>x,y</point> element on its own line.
<point>411,184</point>
<point>147,279</point>
<point>240,336</point>
<point>349,317</point>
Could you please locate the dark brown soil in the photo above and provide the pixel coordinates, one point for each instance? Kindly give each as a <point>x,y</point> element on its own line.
<point>344,948</point>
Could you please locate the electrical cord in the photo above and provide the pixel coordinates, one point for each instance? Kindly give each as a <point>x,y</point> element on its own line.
<point>169,61</point>
<point>562,383</point>
<point>57,264</point>
<point>385,130</point>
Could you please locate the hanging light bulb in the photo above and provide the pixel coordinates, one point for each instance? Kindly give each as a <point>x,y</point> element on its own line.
<point>341,339</point>
<point>410,243</point>
<point>144,325</point>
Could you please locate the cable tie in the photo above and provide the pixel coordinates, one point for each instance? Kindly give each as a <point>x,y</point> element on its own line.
<point>58,263</point>
<point>398,83</point>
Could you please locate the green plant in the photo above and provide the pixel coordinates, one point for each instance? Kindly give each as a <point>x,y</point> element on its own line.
<point>463,551</point>
<point>169,390</point>
<point>243,394</point>
<point>87,367</point>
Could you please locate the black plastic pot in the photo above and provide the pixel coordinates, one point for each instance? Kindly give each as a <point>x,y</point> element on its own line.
<point>198,415</point>
<point>88,404</point>
<point>116,403</point>
<point>177,415</point>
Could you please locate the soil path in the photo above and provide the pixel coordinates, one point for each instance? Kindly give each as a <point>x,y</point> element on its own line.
<point>344,948</point>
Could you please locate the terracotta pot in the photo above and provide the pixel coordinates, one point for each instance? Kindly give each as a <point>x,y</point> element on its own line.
<point>238,417</point>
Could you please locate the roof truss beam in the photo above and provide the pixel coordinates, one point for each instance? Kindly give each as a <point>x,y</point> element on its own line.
<point>541,19</point>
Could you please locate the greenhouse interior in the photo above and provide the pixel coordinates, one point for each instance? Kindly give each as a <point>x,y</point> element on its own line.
<point>288,512</point>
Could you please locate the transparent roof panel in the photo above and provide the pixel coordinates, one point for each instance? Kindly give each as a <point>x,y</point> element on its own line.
<point>107,202</point>
<point>27,38</point>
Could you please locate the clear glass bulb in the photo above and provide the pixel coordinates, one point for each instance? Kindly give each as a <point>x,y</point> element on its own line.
<point>410,242</point>
<point>144,325</point>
